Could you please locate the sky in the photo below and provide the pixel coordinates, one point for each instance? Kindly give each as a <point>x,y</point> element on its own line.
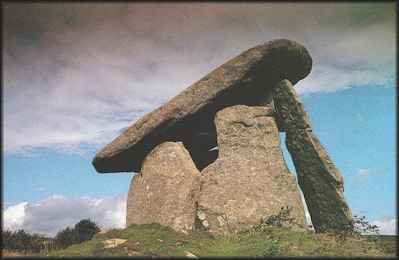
<point>76,74</point>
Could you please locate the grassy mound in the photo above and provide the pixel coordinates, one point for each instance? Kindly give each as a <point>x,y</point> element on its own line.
<point>156,240</point>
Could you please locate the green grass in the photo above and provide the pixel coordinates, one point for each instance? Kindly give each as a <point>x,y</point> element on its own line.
<point>156,240</point>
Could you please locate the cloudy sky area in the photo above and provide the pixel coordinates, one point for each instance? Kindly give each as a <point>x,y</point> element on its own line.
<point>74,75</point>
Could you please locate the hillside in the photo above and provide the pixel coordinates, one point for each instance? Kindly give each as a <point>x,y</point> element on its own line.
<point>156,240</point>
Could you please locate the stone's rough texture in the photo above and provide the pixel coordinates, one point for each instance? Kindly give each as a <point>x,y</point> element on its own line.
<point>166,190</point>
<point>114,242</point>
<point>246,79</point>
<point>319,179</point>
<point>249,180</point>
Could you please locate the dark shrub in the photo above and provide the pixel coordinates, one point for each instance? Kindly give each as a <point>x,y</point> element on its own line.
<point>85,230</point>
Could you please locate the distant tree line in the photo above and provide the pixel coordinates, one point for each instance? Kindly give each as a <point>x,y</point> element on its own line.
<point>21,241</point>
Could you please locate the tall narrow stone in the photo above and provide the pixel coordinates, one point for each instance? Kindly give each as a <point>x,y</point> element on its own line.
<point>249,180</point>
<point>319,179</point>
<point>166,190</point>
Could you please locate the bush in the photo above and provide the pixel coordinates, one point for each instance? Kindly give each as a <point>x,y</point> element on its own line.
<point>282,219</point>
<point>357,227</point>
<point>84,230</point>
<point>65,238</point>
<point>361,226</point>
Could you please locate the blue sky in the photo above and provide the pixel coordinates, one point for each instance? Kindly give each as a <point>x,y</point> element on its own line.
<point>76,74</point>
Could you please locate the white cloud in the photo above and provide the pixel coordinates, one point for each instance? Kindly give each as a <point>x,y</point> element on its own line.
<point>71,84</point>
<point>55,213</point>
<point>14,216</point>
<point>387,226</point>
<point>361,176</point>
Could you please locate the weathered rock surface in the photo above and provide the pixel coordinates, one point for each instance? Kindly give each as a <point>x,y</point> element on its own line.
<point>113,242</point>
<point>166,190</point>
<point>249,180</point>
<point>319,179</point>
<point>246,79</point>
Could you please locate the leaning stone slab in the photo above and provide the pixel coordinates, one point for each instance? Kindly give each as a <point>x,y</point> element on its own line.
<point>321,183</point>
<point>249,181</point>
<point>166,190</point>
<point>246,79</point>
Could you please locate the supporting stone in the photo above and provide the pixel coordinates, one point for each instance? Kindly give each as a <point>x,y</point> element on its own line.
<point>319,179</point>
<point>249,180</point>
<point>166,190</point>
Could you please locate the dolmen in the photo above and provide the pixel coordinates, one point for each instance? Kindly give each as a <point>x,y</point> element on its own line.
<point>211,159</point>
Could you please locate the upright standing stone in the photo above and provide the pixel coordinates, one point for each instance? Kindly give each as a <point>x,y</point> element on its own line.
<point>249,180</point>
<point>319,179</point>
<point>166,190</point>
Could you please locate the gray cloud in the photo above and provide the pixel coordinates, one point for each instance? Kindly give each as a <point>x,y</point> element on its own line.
<point>75,74</point>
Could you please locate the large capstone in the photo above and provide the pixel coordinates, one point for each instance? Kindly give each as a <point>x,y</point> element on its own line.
<point>247,79</point>
<point>319,179</point>
<point>166,190</point>
<point>249,181</point>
